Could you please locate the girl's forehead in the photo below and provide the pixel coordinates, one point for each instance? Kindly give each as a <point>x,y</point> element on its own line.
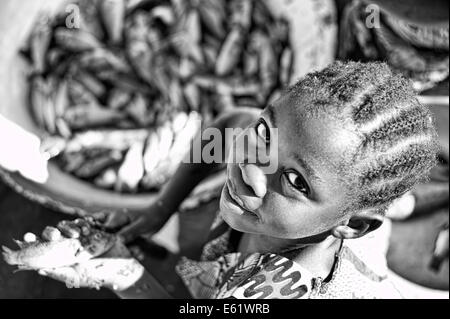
<point>321,141</point>
<point>322,134</point>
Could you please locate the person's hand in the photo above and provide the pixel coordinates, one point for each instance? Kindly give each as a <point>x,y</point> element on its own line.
<point>132,224</point>
<point>18,159</point>
<point>116,269</point>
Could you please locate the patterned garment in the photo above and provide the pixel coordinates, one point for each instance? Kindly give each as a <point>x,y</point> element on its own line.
<point>419,52</point>
<point>224,273</point>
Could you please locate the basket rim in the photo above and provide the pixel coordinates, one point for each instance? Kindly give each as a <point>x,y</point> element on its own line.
<point>44,200</point>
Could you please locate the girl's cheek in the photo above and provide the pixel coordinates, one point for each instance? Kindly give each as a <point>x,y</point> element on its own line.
<point>283,217</point>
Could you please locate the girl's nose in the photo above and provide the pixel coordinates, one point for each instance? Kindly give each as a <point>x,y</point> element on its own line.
<point>255,178</point>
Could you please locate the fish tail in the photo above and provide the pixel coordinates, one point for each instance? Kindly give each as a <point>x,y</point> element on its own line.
<point>9,256</point>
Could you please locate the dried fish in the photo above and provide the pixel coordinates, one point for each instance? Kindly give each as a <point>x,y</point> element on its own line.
<point>132,5</point>
<point>164,14</point>
<point>230,53</point>
<point>242,13</point>
<point>161,79</point>
<point>124,81</point>
<point>279,32</point>
<point>107,179</point>
<point>179,6</point>
<point>55,57</point>
<point>61,99</point>
<point>63,128</point>
<point>91,83</point>
<point>155,40</point>
<point>113,16</point>
<point>137,110</point>
<point>192,95</point>
<point>40,43</point>
<point>101,59</point>
<point>183,139</point>
<point>118,98</point>
<point>262,17</point>
<point>247,102</point>
<point>187,68</point>
<point>89,19</point>
<point>72,161</point>
<point>38,97</point>
<point>187,37</point>
<point>209,83</point>
<point>179,122</point>
<point>213,18</point>
<point>114,140</point>
<point>211,55</point>
<point>166,137</point>
<point>91,115</point>
<point>59,253</point>
<point>94,167</point>
<point>141,56</point>
<point>146,63</point>
<point>132,170</point>
<point>176,94</point>
<point>245,88</point>
<point>158,170</point>
<point>79,94</point>
<point>49,115</point>
<point>151,154</point>
<point>225,103</point>
<point>76,40</point>
<point>286,66</point>
<point>251,64</point>
<point>267,62</point>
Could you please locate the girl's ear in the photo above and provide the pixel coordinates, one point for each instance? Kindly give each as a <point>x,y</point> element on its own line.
<point>359,225</point>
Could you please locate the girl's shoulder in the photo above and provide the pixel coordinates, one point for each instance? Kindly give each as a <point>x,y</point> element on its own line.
<point>361,270</point>
<point>354,278</point>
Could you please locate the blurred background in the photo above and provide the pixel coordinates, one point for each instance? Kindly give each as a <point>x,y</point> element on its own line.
<point>99,101</point>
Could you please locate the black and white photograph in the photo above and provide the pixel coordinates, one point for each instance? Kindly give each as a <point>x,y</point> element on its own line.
<point>224,149</point>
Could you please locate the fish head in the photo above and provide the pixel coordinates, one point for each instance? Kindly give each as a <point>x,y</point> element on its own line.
<point>98,242</point>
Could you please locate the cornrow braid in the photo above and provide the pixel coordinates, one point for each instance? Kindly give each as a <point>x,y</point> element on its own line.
<point>398,144</point>
<point>408,123</point>
<point>410,160</point>
<point>392,95</point>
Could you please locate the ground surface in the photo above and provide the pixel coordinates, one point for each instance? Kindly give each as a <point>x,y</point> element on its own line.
<point>18,216</point>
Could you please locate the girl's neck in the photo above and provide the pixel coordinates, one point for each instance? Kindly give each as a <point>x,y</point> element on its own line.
<point>318,257</point>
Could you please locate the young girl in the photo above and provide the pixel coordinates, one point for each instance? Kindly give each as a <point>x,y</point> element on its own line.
<point>350,140</point>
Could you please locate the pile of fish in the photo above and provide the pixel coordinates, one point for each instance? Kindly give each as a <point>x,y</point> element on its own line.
<point>120,85</point>
<point>63,246</point>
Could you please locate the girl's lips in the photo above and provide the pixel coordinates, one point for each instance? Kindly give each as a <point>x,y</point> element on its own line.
<point>237,200</point>
<point>241,191</point>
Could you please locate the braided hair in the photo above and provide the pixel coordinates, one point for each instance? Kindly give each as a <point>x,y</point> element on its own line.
<point>397,144</point>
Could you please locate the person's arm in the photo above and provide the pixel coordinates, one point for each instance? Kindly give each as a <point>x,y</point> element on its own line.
<point>188,176</point>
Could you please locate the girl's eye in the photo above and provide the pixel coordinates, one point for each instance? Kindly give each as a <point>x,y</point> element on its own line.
<point>263,131</point>
<point>298,182</point>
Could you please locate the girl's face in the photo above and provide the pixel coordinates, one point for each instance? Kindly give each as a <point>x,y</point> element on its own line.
<point>305,196</point>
